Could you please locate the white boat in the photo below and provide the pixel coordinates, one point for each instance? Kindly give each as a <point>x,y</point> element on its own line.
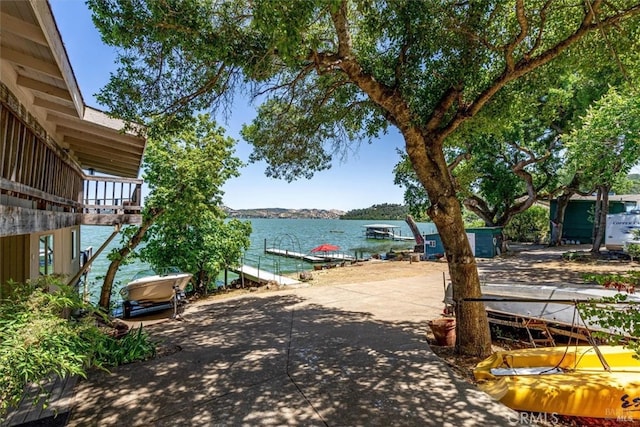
<point>149,287</point>
<point>550,303</point>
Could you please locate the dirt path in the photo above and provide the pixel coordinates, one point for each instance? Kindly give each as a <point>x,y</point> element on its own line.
<point>524,264</point>
<point>539,264</point>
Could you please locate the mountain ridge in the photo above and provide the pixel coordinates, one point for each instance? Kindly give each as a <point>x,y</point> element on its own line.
<point>309,213</point>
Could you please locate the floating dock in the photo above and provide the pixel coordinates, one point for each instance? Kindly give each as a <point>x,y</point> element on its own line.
<point>313,259</point>
<point>263,276</point>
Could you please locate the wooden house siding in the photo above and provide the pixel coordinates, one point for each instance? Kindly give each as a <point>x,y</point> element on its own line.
<point>13,264</point>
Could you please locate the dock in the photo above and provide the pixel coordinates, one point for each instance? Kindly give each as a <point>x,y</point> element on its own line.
<point>263,276</point>
<point>384,231</point>
<point>313,259</point>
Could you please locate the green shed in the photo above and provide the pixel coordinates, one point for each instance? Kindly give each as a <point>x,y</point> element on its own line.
<point>578,222</point>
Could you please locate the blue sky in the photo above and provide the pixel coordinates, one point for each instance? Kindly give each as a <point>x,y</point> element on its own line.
<point>362,180</point>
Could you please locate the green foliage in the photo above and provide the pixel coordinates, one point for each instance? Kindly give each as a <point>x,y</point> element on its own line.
<point>633,249</point>
<point>621,321</point>
<point>36,340</point>
<point>630,278</point>
<point>185,172</point>
<point>531,225</point>
<point>611,313</point>
<point>607,144</point>
<point>134,346</point>
<point>385,211</point>
<point>471,220</point>
<point>415,195</point>
<point>632,185</point>
<point>190,56</point>
<point>39,337</point>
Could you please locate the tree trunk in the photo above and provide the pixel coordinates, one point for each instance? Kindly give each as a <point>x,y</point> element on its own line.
<point>600,217</point>
<point>134,241</point>
<point>472,327</point>
<point>558,220</point>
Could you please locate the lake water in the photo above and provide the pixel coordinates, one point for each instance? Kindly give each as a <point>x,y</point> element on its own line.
<point>297,235</point>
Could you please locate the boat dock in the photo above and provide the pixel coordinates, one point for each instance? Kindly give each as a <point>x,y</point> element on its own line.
<point>384,231</point>
<point>313,259</point>
<point>263,276</point>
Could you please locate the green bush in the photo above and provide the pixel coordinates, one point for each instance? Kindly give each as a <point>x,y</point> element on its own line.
<point>531,225</point>
<point>39,337</point>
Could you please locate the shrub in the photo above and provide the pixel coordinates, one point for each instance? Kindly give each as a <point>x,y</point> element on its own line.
<point>39,337</point>
<point>531,225</point>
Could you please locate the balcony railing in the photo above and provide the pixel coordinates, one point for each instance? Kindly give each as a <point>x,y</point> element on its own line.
<point>111,200</point>
<point>38,177</point>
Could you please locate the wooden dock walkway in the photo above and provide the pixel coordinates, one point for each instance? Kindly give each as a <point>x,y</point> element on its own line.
<point>263,276</point>
<point>313,259</point>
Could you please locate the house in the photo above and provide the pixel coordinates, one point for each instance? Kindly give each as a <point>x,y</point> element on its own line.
<point>578,217</point>
<point>63,164</point>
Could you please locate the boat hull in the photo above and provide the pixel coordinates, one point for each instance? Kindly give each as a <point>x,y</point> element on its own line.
<point>551,305</point>
<point>583,388</point>
<point>155,289</point>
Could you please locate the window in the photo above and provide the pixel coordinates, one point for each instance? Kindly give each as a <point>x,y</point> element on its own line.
<point>46,254</point>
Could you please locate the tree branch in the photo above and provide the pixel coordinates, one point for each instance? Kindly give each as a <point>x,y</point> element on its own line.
<point>526,64</point>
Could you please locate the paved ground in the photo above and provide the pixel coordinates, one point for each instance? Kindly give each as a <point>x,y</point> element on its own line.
<point>347,355</point>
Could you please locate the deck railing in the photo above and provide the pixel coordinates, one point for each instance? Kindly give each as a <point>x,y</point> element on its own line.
<point>32,167</point>
<point>38,175</point>
<point>111,195</point>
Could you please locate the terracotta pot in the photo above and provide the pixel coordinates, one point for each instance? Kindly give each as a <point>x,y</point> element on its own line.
<point>444,331</point>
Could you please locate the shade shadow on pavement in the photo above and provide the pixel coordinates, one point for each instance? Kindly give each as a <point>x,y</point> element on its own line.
<point>281,360</point>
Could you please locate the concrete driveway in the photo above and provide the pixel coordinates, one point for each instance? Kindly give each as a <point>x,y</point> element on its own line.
<point>349,355</point>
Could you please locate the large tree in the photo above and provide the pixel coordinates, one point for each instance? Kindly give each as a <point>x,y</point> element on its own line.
<point>331,72</point>
<point>606,146</point>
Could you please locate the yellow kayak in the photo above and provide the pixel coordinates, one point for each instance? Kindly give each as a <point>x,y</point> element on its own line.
<point>565,381</point>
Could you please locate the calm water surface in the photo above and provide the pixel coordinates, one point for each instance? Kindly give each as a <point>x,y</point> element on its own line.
<point>297,235</point>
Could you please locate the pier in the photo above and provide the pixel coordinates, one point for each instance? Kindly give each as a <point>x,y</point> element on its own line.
<point>313,259</point>
<point>263,276</point>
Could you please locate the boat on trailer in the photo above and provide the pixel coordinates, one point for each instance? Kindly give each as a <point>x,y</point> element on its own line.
<point>553,304</point>
<point>152,289</point>
<point>583,381</point>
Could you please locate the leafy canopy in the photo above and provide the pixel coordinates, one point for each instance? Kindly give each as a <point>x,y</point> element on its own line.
<point>330,72</point>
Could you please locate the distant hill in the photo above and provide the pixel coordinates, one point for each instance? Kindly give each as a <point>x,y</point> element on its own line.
<point>376,212</point>
<point>284,213</point>
<point>385,211</point>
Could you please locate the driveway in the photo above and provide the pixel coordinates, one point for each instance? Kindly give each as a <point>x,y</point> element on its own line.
<point>347,355</point>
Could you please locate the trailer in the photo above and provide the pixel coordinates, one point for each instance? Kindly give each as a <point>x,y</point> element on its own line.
<point>620,229</point>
